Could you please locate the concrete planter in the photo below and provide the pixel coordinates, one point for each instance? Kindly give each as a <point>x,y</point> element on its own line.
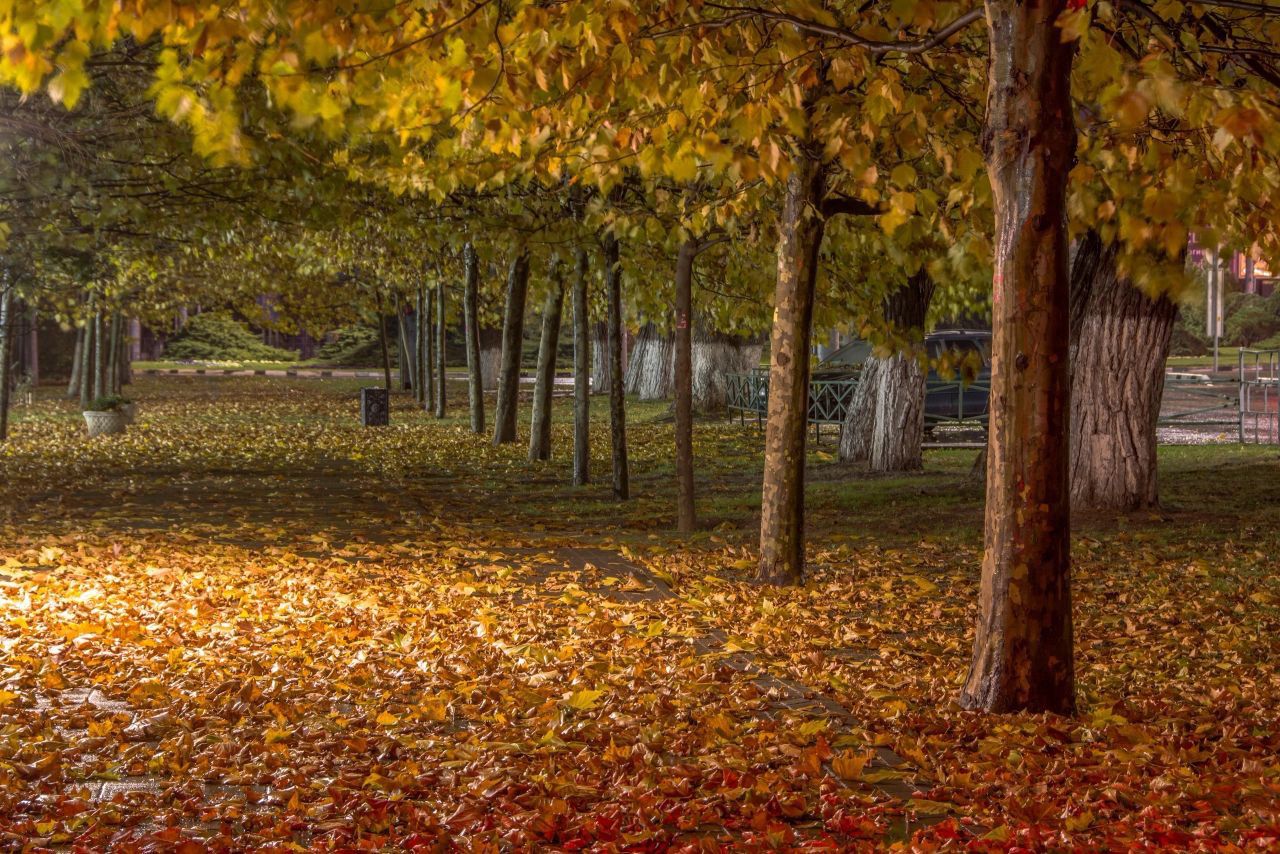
<point>106,423</point>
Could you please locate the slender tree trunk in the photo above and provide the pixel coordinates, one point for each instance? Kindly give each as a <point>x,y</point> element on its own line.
<point>420,354</point>
<point>441,376</point>
<point>6,338</point>
<point>429,350</point>
<point>782,496</point>
<point>99,356</point>
<point>544,385</point>
<point>73,385</point>
<point>617,403</point>
<point>408,377</point>
<point>686,515</point>
<point>1120,342</point>
<point>504,418</point>
<point>135,339</point>
<point>113,356</point>
<point>600,358</point>
<point>1023,657</point>
<point>33,348</point>
<point>581,373</point>
<point>471,328</point>
<point>124,375</point>
<point>382,340</point>
<point>86,360</point>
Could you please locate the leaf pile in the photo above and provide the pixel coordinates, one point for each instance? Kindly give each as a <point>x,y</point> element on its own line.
<point>248,623</point>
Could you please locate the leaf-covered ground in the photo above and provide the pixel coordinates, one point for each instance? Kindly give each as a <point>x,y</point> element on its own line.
<point>250,624</point>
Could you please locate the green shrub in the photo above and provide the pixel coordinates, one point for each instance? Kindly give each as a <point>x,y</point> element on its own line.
<point>356,346</point>
<point>1188,332</point>
<point>1252,318</point>
<point>218,337</point>
<point>109,403</point>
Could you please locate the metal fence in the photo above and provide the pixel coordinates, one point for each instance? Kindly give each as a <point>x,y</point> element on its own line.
<point>1195,409</point>
<point>1259,373</point>
<point>947,402</point>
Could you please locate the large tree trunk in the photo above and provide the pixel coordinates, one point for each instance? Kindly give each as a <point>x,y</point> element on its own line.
<point>1120,341</point>
<point>617,403</point>
<point>686,517</point>
<point>782,496</point>
<point>600,358</point>
<point>471,330</point>
<point>6,337</point>
<point>441,375</point>
<point>545,383</point>
<point>77,355</point>
<point>899,416</point>
<point>504,417</point>
<point>651,365</point>
<point>860,418</point>
<point>715,356</point>
<point>884,425</point>
<point>581,374</point>
<point>490,357</point>
<point>1023,656</point>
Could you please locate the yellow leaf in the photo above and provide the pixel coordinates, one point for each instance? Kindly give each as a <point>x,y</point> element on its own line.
<point>386,719</point>
<point>585,699</point>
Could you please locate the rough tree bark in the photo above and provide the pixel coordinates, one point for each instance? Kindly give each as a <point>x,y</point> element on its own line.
<point>1120,342</point>
<point>1023,658</point>
<point>686,513</point>
<point>715,356</point>
<point>581,373</point>
<point>548,344</point>
<point>504,416</point>
<point>884,425</point>
<point>860,418</point>
<point>471,331</point>
<point>441,376</point>
<point>651,368</point>
<point>617,403</point>
<point>782,496</point>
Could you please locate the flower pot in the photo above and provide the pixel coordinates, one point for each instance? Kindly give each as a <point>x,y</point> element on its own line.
<point>106,423</point>
<point>130,411</point>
